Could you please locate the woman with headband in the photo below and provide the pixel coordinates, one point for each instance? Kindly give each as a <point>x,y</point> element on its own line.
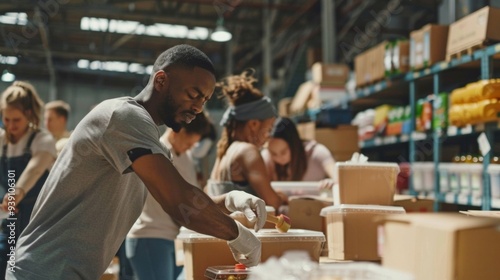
<point>246,127</point>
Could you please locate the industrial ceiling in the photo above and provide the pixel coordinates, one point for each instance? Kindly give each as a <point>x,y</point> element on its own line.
<point>50,40</point>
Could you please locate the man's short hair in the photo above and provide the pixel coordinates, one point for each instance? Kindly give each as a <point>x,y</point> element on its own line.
<point>183,55</point>
<point>60,107</point>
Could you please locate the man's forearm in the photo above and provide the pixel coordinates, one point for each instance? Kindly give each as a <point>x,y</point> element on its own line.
<point>203,214</point>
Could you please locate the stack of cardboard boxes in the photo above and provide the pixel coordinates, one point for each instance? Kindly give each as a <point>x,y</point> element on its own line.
<point>327,86</point>
<point>342,141</point>
<point>364,192</point>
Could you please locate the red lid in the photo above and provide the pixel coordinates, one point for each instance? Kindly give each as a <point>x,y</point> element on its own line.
<point>239,266</point>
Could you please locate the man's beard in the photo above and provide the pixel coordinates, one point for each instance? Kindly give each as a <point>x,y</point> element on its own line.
<point>169,117</point>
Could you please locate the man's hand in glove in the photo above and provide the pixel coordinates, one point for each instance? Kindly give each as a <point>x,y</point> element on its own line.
<point>247,203</point>
<point>246,248</point>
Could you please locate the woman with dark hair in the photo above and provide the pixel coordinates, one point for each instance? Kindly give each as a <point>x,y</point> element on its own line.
<point>246,126</point>
<point>288,158</point>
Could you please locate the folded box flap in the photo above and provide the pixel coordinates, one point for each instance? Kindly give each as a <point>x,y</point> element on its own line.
<point>443,221</point>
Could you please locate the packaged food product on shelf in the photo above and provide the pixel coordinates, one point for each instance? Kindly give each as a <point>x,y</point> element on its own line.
<point>494,172</point>
<point>423,176</point>
<point>428,45</point>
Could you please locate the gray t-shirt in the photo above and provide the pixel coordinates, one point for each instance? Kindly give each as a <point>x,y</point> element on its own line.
<point>91,197</point>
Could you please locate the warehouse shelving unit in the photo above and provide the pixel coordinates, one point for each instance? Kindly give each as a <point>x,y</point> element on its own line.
<point>431,80</point>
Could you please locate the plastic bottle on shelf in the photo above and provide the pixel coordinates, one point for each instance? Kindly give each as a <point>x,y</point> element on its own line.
<point>495,160</point>
<point>468,158</point>
<point>475,159</point>
<point>462,159</point>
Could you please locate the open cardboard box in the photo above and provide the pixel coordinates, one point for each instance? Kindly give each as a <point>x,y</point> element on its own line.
<point>304,212</point>
<point>442,246</point>
<point>202,251</point>
<point>414,204</point>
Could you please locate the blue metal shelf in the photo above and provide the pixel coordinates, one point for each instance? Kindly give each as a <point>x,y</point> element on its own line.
<point>382,141</point>
<point>483,56</point>
<point>453,198</point>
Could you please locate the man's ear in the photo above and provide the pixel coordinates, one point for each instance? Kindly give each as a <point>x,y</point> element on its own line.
<point>160,80</point>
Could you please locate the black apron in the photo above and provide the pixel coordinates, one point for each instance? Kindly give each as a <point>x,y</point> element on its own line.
<point>17,165</point>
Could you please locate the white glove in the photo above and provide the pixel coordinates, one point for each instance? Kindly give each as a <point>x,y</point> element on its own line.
<point>247,203</point>
<point>246,248</point>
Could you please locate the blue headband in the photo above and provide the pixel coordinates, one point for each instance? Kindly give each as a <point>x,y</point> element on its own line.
<point>261,109</point>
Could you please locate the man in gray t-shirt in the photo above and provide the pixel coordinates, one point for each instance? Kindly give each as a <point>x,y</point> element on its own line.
<point>98,185</point>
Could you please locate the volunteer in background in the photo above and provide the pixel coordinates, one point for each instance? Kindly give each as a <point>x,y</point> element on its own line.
<point>203,154</point>
<point>97,188</point>
<point>26,156</point>
<point>246,126</point>
<point>150,242</point>
<point>288,158</point>
<point>55,120</point>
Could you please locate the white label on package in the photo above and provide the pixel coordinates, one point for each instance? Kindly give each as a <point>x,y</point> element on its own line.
<point>484,144</point>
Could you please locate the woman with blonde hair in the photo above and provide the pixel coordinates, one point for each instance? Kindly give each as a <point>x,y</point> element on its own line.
<point>26,154</point>
<point>246,127</point>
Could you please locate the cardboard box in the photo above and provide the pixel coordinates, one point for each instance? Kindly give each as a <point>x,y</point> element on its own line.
<point>284,106</point>
<point>360,69</point>
<point>473,30</point>
<point>307,131</point>
<point>330,73</point>
<point>352,230</point>
<point>365,183</point>
<point>179,252</point>
<point>343,138</point>
<point>342,141</point>
<point>413,204</point>
<point>342,156</point>
<point>302,97</point>
<point>442,246</point>
<point>482,213</point>
<point>107,276</point>
<point>375,63</point>
<point>112,271</point>
<point>202,251</point>
<point>428,45</point>
<point>304,212</point>
<point>400,57</point>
